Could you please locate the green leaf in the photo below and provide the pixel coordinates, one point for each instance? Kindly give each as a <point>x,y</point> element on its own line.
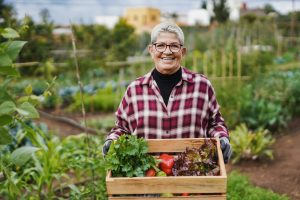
<point>5,137</point>
<point>5,119</point>
<point>4,96</point>
<point>9,71</point>
<point>28,90</point>
<point>5,60</point>
<point>10,33</point>
<point>28,110</point>
<point>7,107</point>
<point>13,48</point>
<point>21,155</point>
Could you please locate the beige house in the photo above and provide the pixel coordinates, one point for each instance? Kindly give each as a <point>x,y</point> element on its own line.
<point>142,18</point>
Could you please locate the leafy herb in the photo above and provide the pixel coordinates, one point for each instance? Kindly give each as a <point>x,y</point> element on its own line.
<point>198,162</point>
<point>128,157</point>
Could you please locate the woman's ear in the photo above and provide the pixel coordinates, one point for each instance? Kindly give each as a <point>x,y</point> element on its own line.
<point>184,51</point>
<point>151,49</point>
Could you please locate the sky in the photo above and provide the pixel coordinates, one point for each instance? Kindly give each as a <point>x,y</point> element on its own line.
<point>85,11</point>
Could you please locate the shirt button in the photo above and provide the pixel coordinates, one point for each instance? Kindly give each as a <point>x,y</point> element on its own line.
<point>167,131</point>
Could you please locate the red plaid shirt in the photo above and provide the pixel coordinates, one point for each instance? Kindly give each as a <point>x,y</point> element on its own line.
<point>192,110</point>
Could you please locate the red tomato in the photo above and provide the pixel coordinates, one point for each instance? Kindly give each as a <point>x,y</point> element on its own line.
<point>185,194</point>
<point>150,172</point>
<point>166,164</point>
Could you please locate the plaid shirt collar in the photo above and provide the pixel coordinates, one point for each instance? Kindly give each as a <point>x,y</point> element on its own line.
<point>186,76</point>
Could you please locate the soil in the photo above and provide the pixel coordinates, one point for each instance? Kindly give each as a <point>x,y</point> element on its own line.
<point>281,175</point>
<point>63,129</point>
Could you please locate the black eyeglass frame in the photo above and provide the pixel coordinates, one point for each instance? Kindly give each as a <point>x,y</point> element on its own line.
<point>167,45</point>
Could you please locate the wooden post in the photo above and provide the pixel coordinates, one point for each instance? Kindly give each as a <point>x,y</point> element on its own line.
<point>205,64</point>
<point>195,60</point>
<point>214,63</point>
<point>92,108</point>
<point>119,87</point>
<point>223,65</point>
<point>239,65</point>
<point>231,64</point>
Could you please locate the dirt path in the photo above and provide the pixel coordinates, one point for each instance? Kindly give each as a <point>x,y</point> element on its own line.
<point>63,129</point>
<point>282,175</point>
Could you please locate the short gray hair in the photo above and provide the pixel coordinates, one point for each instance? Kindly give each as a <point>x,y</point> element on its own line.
<point>167,27</point>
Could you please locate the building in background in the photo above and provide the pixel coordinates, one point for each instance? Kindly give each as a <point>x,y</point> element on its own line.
<point>234,9</point>
<point>142,18</point>
<point>259,12</point>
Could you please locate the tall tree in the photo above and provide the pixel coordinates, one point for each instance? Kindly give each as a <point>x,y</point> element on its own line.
<point>123,40</point>
<point>7,15</point>
<point>268,8</point>
<point>204,4</point>
<point>221,10</point>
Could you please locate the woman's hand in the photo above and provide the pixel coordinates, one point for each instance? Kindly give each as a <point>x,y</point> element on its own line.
<point>226,149</point>
<point>106,146</point>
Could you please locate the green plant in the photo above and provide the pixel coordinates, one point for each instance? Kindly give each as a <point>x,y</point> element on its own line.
<point>104,123</point>
<point>272,101</point>
<point>104,100</point>
<point>231,105</point>
<point>128,157</point>
<point>247,144</point>
<point>30,171</point>
<point>239,187</point>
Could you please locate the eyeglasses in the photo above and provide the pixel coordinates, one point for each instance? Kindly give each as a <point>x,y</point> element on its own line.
<point>161,47</point>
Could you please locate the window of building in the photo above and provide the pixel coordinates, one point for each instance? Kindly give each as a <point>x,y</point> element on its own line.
<point>153,18</point>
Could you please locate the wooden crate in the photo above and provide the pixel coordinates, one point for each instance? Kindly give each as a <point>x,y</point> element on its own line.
<point>210,187</point>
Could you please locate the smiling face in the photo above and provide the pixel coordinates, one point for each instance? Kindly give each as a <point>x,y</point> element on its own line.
<point>167,62</point>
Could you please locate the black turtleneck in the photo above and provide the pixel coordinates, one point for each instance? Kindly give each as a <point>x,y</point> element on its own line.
<point>166,82</point>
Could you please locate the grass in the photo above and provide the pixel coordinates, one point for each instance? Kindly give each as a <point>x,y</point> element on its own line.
<point>239,188</point>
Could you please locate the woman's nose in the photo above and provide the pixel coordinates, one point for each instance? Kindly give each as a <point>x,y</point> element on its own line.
<point>168,50</point>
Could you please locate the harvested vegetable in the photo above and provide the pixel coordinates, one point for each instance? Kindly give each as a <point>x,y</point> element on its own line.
<point>128,157</point>
<point>198,162</point>
<point>166,164</point>
<point>150,172</point>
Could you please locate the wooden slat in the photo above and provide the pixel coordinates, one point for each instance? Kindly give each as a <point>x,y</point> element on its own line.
<point>171,184</point>
<point>198,197</point>
<point>173,145</point>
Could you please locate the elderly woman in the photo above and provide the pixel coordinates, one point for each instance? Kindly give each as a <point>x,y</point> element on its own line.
<point>170,101</point>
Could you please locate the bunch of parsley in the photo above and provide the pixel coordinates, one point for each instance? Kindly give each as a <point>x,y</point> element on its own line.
<point>128,157</point>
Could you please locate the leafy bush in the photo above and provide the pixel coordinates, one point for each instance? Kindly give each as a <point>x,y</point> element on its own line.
<point>254,63</point>
<point>269,101</point>
<point>250,145</point>
<point>231,105</point>
<point>239,188</point>
<point>264,113</point>
<point>273,100</point>
<point>55,169</point>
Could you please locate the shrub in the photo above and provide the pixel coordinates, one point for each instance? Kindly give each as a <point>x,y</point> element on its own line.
<point>251,145</point>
